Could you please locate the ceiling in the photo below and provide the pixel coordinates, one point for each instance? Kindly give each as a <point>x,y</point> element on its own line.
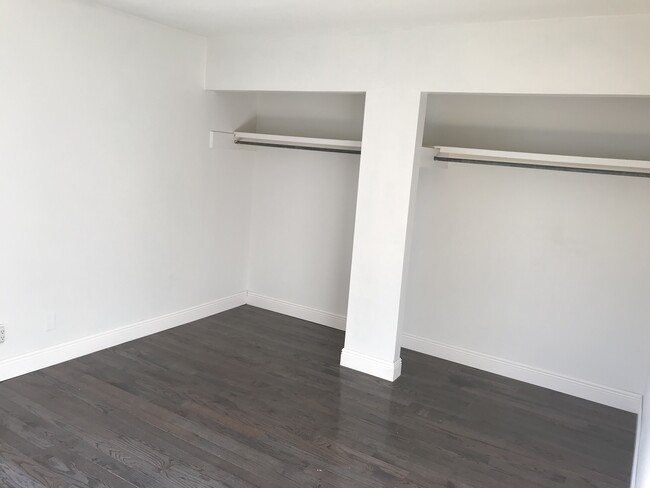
<point>209,16</point>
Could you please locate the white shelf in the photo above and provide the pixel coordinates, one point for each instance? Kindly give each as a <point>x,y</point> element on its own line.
<point>294,142</point>
<point>550,161</point>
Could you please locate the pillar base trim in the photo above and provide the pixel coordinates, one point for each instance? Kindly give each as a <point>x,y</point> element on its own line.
<point>387,370</point>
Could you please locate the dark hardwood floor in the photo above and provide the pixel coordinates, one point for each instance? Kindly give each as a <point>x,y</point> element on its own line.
<point>250,398</point>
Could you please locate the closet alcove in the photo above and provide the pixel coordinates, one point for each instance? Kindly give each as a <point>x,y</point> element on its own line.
<point>302,151</point>
<point>535,273</point>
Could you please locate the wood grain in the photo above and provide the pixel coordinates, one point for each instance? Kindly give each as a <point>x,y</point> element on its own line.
<point>250,398</point>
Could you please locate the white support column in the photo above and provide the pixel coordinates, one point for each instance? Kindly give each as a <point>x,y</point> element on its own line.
<point>392,134</point>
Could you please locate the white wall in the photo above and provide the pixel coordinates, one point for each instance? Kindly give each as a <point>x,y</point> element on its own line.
<point>595,55</point>
<point>112,207</point>
<point>547,269</point>
<point>605,127</point>
<point>303,202</point>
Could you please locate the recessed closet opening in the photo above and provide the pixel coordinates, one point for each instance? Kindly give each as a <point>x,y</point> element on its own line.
<point>303,199</point>
<point>537,274</point>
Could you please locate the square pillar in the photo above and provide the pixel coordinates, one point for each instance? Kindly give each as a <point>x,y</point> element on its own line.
<point>392,135</point>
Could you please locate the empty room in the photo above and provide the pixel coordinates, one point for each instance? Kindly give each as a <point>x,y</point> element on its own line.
<point>324,244</point>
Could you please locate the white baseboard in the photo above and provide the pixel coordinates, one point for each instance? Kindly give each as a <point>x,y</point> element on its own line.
<point>612,397</point>
<point>386,370</point>
<point>10,368</point>
<point>43,358</point>
<point>299,311</point>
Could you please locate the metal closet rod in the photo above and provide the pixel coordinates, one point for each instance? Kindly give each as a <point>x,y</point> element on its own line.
<point>303,148</point>
<point>294,142</point>
<point>574,164</point>
<point>544,167</point>
<point>549,162</point>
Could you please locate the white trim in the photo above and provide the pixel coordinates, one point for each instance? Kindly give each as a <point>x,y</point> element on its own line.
<point>10,368</point>
<point>612,397</point>
<point>299,311</point>
<point>43,358</point>
<point>386,370</point>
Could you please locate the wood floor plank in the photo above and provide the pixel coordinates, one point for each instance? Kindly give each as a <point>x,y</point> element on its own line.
<point>254,399</point>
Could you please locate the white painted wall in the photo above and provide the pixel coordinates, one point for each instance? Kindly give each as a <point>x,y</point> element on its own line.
<point>303,203</point>
<point>594,55</point>
<point>112,208</point>
<point>605,127</point>
<point>546,269</point>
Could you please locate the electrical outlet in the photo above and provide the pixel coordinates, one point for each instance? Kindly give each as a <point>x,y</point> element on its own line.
<point>2,333</point>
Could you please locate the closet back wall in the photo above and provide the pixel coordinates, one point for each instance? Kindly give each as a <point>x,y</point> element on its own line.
<point>543,268</point>
<point>304,204</point>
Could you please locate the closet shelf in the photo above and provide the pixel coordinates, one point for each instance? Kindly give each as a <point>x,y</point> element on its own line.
<point>623,167</point>
<point>290,142</point>
<point>295,142</point>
